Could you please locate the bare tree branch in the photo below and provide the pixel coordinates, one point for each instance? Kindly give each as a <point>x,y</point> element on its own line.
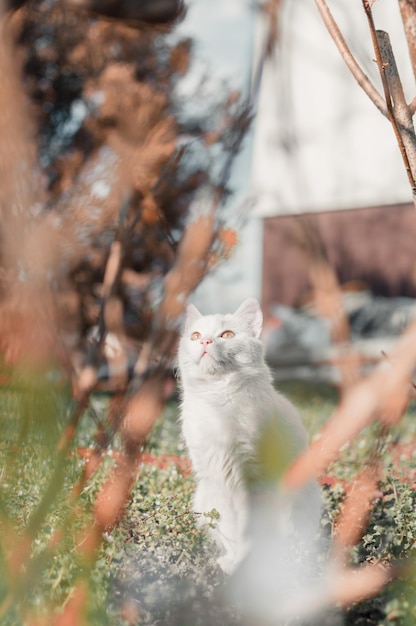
<point>394,105</point>
<point>408,11</point>
<point>393,93</point>
<point>399,112</point>
<point>412,106</point>
<point>355,69</point>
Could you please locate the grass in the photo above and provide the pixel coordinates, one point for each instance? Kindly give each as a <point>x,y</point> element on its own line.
<point>157,566</point>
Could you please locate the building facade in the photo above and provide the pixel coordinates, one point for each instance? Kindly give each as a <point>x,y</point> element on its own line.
<point>321,150</point>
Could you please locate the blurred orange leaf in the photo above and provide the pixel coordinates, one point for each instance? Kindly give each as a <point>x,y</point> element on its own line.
<point>347,586</point>
<point>363,403</point>
<point>356,508</point>
<point>74,611</point>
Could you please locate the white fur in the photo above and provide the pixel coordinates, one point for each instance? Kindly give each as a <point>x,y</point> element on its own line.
<point>227,399</point>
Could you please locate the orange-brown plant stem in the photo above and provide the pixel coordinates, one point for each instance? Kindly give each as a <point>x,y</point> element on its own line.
<point>144,407</point>
<point>356,509</point>
<point>327,299</point>
<point>361,78</point>
<point>82,389</point>
<point>408,12</point>
<point>142,410</point>
<point>74,612</point>
<point>187,272</point>
<point>383,395</point>
<point>349,585</point>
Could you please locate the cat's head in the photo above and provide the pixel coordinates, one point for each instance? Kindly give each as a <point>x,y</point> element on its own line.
<point>215,345</point>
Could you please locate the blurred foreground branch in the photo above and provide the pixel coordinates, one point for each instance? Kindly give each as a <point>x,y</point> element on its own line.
<point>110,216</point>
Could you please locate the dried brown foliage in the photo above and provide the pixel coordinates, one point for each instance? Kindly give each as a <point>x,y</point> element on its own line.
<point>120,175</point>
<point>97,184</point>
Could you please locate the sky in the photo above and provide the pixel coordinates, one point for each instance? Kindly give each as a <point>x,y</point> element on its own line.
<point>222,31</point>
<point>223,36</point>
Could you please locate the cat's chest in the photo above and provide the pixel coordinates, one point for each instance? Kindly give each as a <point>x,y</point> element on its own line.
<point>222,417</point>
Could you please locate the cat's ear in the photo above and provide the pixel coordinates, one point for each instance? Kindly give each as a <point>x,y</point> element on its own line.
<point>192,314</point>
<point>250,311</point>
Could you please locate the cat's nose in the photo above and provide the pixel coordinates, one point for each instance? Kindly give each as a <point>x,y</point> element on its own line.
<point>205,341</point>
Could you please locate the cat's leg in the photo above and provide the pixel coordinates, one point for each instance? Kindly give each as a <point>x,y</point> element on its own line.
<point>230,529</point>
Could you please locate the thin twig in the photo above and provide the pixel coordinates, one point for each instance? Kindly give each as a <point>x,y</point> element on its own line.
<point>383,63</point>
<point>355,69</point>
<point>408,12</point>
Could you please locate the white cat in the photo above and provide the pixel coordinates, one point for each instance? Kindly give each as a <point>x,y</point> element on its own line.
<point>231,411</point>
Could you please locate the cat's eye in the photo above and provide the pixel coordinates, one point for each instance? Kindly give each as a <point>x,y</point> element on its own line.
<point>227,334</point>
<point>195,336</point>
